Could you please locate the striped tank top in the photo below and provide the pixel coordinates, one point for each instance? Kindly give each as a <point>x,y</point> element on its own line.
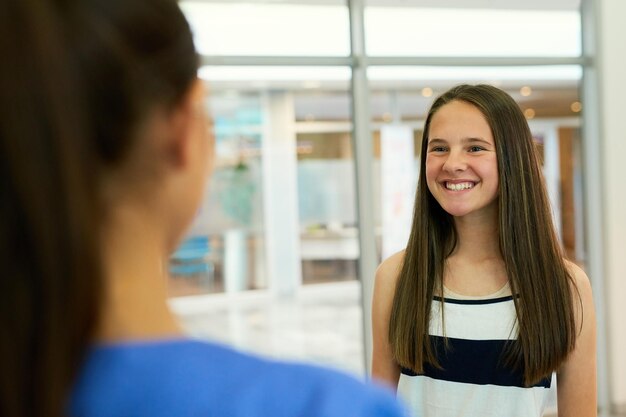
<point>473,381</point>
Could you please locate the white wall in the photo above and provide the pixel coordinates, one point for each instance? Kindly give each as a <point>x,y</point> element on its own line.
<point>612,71</point>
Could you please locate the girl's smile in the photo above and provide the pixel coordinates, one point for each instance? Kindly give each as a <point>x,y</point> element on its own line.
<point>459,185</point>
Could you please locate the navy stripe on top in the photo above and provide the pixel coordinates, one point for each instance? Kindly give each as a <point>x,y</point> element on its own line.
<point>479,301</point>
<point>474,362</point>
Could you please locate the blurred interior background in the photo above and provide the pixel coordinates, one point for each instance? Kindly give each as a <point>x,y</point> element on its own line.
<point>318,110</point>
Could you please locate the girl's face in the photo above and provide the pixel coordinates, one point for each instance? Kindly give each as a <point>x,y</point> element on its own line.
<point>461,163</point>
<point>188,182</point>
<point>203,142</point>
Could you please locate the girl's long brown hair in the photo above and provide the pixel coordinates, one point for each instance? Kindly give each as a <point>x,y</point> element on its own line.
<point>528,244</point>
<point>49,250</point>
<point>77,79</point>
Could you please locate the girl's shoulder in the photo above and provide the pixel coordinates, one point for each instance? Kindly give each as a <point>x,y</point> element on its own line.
<point>387,276</point>
<point>187,377</point>
<point>579,277</point>
<point>582,294</point>
<point>389,269</point>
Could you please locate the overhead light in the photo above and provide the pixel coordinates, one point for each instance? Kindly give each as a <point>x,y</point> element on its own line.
<point>529,113</point>
<point>311,84</point>
<point>427,91</point>
<point>525,91</point>
<point>576,106</point>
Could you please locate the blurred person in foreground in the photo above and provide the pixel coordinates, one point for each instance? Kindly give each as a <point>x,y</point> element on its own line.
<point>104,151</point>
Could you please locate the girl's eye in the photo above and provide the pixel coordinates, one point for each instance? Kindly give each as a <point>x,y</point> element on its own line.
<point>437,149</point>
<point>476,149</point>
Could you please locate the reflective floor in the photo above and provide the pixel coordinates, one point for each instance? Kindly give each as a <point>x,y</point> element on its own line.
<point>322,324</point>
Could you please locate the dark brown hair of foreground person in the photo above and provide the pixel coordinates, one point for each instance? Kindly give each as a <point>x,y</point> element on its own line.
<point>75,78</point>
<point>527,240</point>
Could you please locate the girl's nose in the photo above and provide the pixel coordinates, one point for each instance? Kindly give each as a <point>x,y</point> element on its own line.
<point>455,162</point>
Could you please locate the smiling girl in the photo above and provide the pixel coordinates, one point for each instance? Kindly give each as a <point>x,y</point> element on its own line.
<point>480,309</point>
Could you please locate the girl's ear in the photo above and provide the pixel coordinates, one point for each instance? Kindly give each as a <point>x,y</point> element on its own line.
<point>187,125</point>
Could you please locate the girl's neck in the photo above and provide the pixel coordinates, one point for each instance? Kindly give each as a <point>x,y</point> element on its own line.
<point>477,237</point>
<point>135,264</point>
<point>475,267</point>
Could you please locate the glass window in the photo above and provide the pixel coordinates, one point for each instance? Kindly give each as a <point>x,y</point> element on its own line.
<point>467,32</point>
<point>267,28</point>
<point>326,186</point>
<point>224,250</point>
<point>284,170</point>
<point>280,216</point>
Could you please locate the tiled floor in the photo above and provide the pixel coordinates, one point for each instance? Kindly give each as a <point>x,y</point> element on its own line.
<point>322,324</point>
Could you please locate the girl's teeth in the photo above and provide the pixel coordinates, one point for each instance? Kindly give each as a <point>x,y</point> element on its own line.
<point>459,187</point>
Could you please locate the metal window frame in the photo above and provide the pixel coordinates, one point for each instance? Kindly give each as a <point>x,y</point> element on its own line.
<point>594,195</point>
